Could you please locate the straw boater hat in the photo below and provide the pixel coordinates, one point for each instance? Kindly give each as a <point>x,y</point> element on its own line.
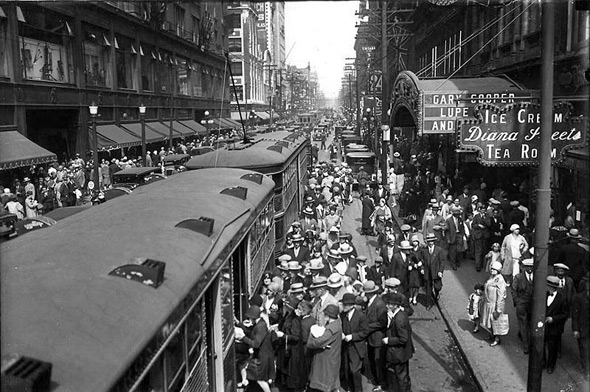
<point>293,265</point>
<point>370,287</point>
<point>284,257</point>
<point>379,259</point>
<point>345,249</point>
<point>528,262</point>
<point>297,288</point>
<point>405,245</point>
<point>335,254</point>
<point>284,266</point>
<point>307,211</point>
<point>297,237</point>
<point>335,280</point>
<point>361,258</point>
<point>392,282</point>
<point>514,227</point>
<point>474,198</point>
<point>560,266</point>
<point>318,282</point>
<point>514,203</point>
<point>449,198</point>
<point>455,210</point>
<point>334,229</point>
<point>316,264</point>
<point>430,237</point>
<point>574,233</point>
<point>553,281</point>
<point>406,227</point>
<point>396,154</point>
<point>496,265</point>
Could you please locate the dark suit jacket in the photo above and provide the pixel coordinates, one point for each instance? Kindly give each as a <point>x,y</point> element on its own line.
<point>384,195</point>
<point>399,269</point>
<point>575,257</point>
<point>358,327</point>
<point>559,312</point>
<point>376,275</point>
<point>376,312</point>
<point>581,314</point>
<point>433,264</point>
<point>522,290</point>
<point>400,346</point>
<point>302,256</point>
<point>384,254</point>
<point>479,232</point>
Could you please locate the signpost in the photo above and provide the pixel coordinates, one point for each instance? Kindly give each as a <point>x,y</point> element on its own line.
<point>511,135</point>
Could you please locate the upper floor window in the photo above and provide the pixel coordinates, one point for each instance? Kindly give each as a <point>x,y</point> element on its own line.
<point>148,59</point>
<point>97,57</point>
<point>179,20</point>
<point>46,40</point>
<point>126,62</point>
<point>3,46</point>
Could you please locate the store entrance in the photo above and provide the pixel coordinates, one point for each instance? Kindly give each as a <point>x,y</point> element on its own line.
<point>54,129</point>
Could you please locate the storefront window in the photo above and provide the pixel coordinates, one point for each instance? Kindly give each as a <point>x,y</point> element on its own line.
<point>126,63</point>
<point>182,77</point>
<point>45,45</point>
<point>3,48</point>
<point>97,58</point>
<point>196,80</point>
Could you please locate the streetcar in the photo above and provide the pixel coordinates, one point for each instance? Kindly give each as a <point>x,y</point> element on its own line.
<point>140,293</point>
<point>282,155</point>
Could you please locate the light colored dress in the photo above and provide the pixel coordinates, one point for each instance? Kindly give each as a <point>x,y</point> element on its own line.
<point>494,295</point>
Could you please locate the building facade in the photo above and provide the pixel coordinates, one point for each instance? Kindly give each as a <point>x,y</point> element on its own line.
<point>57,58</point>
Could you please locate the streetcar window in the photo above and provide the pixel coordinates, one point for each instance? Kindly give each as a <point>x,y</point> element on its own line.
<point>154,380</point>
<point>174,354</point>
<point>195,334</point>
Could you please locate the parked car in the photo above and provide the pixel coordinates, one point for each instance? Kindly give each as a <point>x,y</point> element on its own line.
<point>133,177</point>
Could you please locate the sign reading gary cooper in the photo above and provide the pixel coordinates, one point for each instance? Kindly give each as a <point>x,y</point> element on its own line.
<point>511,135</point>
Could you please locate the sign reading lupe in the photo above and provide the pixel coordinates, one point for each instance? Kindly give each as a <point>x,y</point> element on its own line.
<point>511,135</point>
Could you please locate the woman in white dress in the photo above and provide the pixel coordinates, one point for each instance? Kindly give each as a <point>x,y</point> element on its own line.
<point>494,300</point>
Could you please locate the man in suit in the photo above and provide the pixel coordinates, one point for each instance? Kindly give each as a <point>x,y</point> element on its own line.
<point>399,266</point>
<point>479,235</point>
<point>325,364</point>
<point>355,330</point>
<point>464,201</point>
<point>555,317</point>
<point>433,257</point>
<point>522,294</point>
<point>298,252</point>
<point>566,284</point>
<point>574,256</point>
<point>322,298</point>
<point>377,317</point>
<point>381,193</point>
<point>405,234</point>
<point>398,344</point>
<point>377,271</point>
<point>581,327</point>
<point>455,232</point>
<point>388,250</point>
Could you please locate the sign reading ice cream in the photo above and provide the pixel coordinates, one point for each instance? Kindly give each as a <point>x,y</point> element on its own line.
<point>511,135</point>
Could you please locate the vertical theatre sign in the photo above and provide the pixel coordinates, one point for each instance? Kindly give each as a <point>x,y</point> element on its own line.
<point>511,135</point>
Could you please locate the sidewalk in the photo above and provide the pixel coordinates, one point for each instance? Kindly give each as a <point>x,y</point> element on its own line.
<point>504,367</point>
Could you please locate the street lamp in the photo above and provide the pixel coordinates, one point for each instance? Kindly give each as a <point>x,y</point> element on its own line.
<point>206,121</point>
<point>143,144</point>
<point>93,113</point>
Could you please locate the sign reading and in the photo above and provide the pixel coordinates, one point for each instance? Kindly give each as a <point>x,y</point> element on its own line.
<point>511,135</point>
<point>441,110</point>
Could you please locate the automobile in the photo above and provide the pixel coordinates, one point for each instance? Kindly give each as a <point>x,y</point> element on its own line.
<point>201,150</point>
<point>353,147</point>
<point>174,163</point>
<point>135,176</point>
<point>317,135</point>
<point>116,191</point>
<point>7,225</point>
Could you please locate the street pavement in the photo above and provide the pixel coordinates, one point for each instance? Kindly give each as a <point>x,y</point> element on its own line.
<point>448,353</point>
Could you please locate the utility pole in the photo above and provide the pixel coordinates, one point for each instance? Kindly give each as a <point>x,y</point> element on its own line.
<point>543,201</point>
<point>350,93</point>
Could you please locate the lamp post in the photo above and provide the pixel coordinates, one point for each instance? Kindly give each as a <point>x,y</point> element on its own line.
<point>205,122</point>
<point>93,113</point>
<point>385,138</point>
<point>143,144</point>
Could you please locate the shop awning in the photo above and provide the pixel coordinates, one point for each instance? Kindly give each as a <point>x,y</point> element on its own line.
<point>218,124</point>
<point>17,151</point>
<point>263,115</point>
<point>183,129</point>
<point>151,136</point>
<point>436,105</point>
<point>164,128</point>
<point>227,123</point>
<point>236,124</point>
<point>236,116</point>
<point>111,136</point>
<point>195,126</point>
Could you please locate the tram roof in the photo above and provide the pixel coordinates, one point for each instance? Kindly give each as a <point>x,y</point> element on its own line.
<point>255,155</point>
<point>59,303</point>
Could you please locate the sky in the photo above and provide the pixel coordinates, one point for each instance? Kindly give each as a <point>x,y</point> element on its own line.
<point>321,33</point>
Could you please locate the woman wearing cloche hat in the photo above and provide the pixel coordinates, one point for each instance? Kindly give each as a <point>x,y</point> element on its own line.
<point>513,247</point>
<point>494,301</point>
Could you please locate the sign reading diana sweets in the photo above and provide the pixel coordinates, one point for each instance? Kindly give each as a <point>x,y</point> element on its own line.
<point>511,135</point>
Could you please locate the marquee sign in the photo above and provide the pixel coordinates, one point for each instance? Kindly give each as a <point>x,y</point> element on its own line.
<point>511,135</point>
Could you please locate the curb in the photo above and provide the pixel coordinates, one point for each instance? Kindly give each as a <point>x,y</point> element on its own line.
<point>472,367</point>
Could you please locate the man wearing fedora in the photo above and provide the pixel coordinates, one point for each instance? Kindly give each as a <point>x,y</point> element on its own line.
<point>574,256</point>
<point>308,222</point>
<point>479,235</point>
<point>399,265</point>
<point>322,298</point>
<point>377,272</point>
<point>556,315</point>
<point>433,257</point>
<point>399,347</point>
<point>376,313</point>
<point>522,294</point>
<point>299,252</point>
<point>325,345</point>
<point>355,329</point>
<point>392,285</point>
<point>455,233</point>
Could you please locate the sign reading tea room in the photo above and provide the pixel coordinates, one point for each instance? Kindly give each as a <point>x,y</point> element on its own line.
<point>511,135</point>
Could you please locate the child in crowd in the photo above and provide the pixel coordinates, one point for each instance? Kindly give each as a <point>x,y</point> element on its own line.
<point>475,305</point>
<point>493,255</point>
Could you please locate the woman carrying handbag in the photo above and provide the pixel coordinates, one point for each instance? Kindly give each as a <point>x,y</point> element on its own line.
<point>493,317</point>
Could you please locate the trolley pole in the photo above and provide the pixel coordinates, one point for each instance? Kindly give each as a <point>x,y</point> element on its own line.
<point>543,202</point>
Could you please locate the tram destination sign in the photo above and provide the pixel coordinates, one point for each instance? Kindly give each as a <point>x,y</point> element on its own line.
<point>442,110</point>
<point>511,135</point>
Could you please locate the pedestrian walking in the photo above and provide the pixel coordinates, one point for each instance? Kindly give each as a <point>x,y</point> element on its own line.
<point>475,305</point>
<point>261,366</point>
<point>399,347</point>
<point>326,343</point>
<point>494,301</point>
<point>455,234</point>
<point>522,294</point>
<point>433,257</point>
<point>355,329</point>
<point>581,327</point>
<point>555,318</point>
<point>513,246</point>
<point>376,316</point>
